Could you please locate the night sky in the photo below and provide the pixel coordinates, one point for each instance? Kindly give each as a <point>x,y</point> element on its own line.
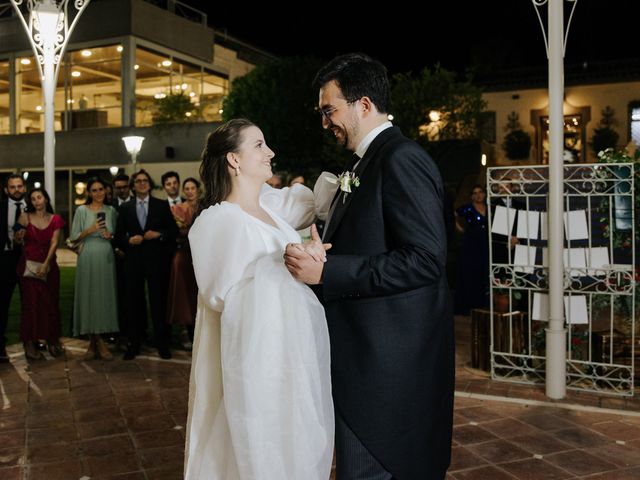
<point>489,35</point>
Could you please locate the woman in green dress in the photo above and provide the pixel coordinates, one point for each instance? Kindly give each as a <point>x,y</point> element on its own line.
<point>95,308</point>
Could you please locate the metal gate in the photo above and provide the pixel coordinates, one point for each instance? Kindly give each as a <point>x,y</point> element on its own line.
<point>599,275</point>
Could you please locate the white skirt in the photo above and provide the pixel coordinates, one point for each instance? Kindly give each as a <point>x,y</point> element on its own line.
<point>260,392</point>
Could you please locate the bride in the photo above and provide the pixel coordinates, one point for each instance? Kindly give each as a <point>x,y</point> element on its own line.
<point>260,392</point>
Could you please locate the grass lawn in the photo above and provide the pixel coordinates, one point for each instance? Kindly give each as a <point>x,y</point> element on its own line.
<point>67,279</point>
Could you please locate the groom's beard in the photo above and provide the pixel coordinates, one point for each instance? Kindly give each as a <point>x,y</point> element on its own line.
<point>342,136</point>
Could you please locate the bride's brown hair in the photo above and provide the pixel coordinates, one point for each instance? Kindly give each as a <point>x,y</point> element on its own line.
<point>214,169</point>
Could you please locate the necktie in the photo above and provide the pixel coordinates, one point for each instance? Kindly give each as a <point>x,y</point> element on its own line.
<point>142,214</point>
<point>11,232</point>
<point>18,212</point>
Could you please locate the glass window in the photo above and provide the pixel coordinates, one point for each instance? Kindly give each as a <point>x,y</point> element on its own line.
<point>94,87</point>
<point>29,97</point>
<point>634,128</point>
<point>214,89</point>
<point>158,76</point>
<point>4,97</point>
<point>573,139</point>
<point>88,91</point>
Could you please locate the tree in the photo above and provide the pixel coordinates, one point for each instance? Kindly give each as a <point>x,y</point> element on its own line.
<point>279,98</point>
<point>435,105</point>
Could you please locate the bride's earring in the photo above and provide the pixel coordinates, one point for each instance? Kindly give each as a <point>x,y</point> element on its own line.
<point>237,171</point>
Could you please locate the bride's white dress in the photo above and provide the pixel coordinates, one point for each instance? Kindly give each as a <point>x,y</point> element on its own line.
<point>260,392</point>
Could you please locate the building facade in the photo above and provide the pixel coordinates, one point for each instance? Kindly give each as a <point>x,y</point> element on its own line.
<point>590,91</point>
<point>123,60</point>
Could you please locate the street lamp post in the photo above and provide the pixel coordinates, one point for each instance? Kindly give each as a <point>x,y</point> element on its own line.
<point>556,333</point>
<point>48,29</point>
<point>133,145</point>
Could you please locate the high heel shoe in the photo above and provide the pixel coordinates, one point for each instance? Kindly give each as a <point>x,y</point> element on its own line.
<point>103,350</point>
<point>55,348</point>
<point>90,354</point>
<point>31,352</point>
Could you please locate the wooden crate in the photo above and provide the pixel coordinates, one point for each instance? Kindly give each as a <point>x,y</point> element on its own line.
<point>509,335</point>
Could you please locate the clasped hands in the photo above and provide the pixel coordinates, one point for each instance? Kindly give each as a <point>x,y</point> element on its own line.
<point>305,261</point>
<point>148,235</point>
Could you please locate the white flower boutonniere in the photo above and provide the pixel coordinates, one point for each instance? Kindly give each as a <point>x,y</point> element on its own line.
<point>345,180</point>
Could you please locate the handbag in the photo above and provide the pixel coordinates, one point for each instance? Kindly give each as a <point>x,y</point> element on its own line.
<point>75,245</point>
<point>31,269</point>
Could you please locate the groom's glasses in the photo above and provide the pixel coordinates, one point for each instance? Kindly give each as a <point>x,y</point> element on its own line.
<point>327,112</point>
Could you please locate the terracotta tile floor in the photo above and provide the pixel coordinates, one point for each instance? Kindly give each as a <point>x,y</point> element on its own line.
<point>70,419</point>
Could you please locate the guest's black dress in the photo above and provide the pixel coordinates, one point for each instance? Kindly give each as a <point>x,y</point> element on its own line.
<point>472,286</point>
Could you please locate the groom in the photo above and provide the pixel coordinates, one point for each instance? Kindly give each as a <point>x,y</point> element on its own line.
<point>384,288</point>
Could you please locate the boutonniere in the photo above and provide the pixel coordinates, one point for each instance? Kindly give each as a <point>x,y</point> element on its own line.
<point>345,180</point>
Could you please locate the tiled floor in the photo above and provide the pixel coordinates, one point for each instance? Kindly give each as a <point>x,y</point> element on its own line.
<point>70,419</point>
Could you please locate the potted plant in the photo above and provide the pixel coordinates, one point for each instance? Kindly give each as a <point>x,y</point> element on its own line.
<point>604,136</point>
<point>501,299</point>
<point>517,143</point>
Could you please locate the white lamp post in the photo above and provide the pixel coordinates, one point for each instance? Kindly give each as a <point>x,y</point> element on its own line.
<point>133,145</point>
<point>556,333</point>
<point>48,29</point>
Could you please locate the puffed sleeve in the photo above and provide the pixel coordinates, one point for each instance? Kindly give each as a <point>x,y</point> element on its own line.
<point>78,223</point>
<point>323,192</point>
<point>223,247</point>
<point>294,204</point>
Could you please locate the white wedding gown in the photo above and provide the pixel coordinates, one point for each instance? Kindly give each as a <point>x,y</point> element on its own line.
<point>260,392</point>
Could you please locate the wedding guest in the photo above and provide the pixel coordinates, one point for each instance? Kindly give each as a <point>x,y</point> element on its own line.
<point>146,233</point>
<point>296,179</point>
<point>472,287</point>
<point>39,276</point>
<point>10,251</point>
<point>183,290</point>
<point>275,181</point>
<point>122,189</point>
<point>95,306</point>
<point>171,185</point>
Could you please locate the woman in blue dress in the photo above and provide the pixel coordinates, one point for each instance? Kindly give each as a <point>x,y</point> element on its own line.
<point>472,286</point>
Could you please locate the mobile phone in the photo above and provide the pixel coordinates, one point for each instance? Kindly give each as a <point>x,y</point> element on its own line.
<point>101,217</point>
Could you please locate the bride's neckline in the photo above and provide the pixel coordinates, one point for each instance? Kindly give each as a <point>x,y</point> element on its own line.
<point>275,224</point>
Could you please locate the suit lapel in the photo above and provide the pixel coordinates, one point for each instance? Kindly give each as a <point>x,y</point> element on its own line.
<point>342,207</point>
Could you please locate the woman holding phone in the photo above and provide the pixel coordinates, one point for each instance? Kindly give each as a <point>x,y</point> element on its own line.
<point>95,310</point>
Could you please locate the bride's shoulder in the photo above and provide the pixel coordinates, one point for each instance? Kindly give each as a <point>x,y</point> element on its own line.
<point>215,215</point>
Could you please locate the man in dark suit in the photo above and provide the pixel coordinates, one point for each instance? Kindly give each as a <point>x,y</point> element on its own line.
<point>171,185</point>
<point>146,233</point>
<point>122,190</point>
<point>10,251</point>
<point>384,288</point>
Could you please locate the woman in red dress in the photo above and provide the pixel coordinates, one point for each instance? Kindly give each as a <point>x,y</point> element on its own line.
<point>183,290</point>
<point>39,289</point>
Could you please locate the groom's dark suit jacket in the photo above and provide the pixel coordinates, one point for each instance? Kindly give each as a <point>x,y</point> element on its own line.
<point>388,308</point>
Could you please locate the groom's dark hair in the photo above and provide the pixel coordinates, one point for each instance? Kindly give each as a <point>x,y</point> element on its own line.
<point>214,170</point>
<point>357,75</point>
